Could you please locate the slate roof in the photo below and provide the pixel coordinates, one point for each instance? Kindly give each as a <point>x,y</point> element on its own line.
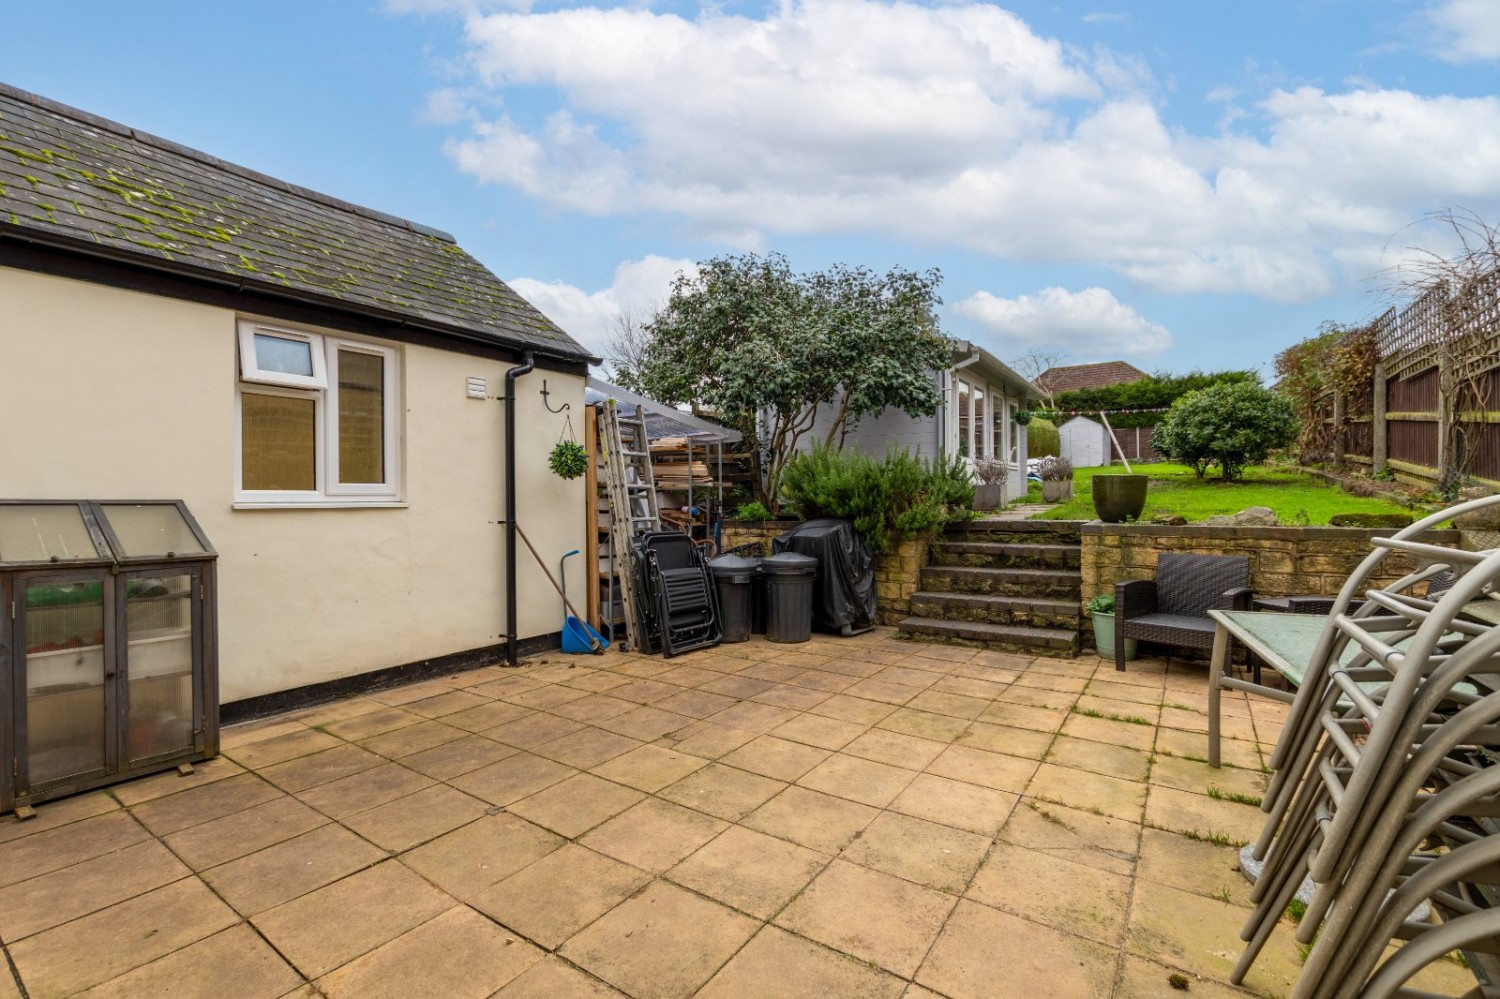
<point>83,184</point>
<point>1087,376</point>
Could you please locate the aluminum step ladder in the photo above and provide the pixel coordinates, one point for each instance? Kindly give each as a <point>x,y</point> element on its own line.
<point>632,502</point>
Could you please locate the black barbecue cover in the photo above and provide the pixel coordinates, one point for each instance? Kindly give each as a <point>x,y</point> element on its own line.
<point>844,591</point>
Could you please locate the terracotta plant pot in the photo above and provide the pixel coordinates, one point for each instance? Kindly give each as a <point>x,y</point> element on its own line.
<point>1118,498</point>
<point>1057,490</point>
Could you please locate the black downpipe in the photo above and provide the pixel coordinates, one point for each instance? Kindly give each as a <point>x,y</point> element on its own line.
<point>528,362</point>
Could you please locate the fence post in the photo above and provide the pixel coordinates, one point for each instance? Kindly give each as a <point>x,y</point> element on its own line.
<point>1379,447</point>
<point>1444,415</point>
<point>1339,431</point>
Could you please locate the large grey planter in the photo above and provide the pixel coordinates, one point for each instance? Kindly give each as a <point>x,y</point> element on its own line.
<point>1056,491</point>
<point>988,497</point>
<point>1118,498</point>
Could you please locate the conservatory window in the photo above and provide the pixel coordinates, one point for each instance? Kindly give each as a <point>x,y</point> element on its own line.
<point>997,432</point>
<point>979,441</point>
<point>964,445</point>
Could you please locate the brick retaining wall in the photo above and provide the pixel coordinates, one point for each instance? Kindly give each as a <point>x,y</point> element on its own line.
<point>1284,561</point>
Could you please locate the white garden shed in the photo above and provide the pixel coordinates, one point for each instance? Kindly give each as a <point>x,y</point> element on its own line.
<point>1084,442</point>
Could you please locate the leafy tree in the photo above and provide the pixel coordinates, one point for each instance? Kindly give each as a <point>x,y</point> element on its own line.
<point>773,352</point>
<point>1231,424</point>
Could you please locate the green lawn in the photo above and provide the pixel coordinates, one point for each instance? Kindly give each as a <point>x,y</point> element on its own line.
<point>1176,491</point>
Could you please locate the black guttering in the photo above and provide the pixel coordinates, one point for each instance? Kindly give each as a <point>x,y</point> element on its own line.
<point>524,368</point>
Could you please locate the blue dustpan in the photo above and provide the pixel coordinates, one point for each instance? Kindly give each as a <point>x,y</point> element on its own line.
<point>576,637</point>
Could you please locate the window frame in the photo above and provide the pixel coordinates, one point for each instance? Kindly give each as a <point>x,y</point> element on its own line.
<point>327,491</point>
<point>251,371</point>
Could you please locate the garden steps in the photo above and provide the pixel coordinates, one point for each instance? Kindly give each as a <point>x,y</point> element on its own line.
<point>1009,585</point>
<point>1005,555</point>
<point>1054,584</point>
<point>999,637</point>
<point>1030,612</point>
<point>1023,532</point>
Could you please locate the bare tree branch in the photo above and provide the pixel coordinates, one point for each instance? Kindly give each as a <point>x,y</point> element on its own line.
<point>1037,360</point>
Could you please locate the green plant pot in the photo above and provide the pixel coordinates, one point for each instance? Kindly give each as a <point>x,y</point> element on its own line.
<point>1118,498</point>
<point>1104,637</point>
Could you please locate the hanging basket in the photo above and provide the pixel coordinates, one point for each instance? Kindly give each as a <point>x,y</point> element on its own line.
<point>1023,416</point>
<point>568,459</point>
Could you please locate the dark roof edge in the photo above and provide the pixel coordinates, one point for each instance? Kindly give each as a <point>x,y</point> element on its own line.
<point>146,138</point>
<point>204,276</point>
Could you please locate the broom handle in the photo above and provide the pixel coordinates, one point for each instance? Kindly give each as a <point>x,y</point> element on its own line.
<point>593,642</point>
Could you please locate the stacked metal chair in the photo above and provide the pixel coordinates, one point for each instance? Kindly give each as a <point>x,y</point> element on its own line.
<point>677,606</point>
<point>1382,791</point>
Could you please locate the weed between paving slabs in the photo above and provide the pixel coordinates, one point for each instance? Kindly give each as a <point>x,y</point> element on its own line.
<point>858,816</point>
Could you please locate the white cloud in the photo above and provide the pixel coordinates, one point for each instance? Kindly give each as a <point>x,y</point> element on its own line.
<point>957,125</point>
<point>1466,29</point>
<point>638,288</point>
<point>1090,324</point>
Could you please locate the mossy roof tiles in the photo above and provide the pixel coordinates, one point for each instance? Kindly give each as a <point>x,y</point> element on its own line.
<point>81,183</point>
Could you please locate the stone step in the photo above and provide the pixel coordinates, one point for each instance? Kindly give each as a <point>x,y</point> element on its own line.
<point>1056,532</point>
<point>1000,637</point>
<point>1026,611</point>
<point>1048,584</point>
<point>1002,555</point>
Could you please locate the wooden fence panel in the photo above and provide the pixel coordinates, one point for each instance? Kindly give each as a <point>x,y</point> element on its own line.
<point>1414,441</point>
<point>1135,442</point>
<point>1413,394</point>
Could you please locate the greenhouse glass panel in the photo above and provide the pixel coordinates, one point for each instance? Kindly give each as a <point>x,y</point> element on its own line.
<point>64,658</point>
<point>159,657</point>
<point>151,529</point>
<point>44,532</point>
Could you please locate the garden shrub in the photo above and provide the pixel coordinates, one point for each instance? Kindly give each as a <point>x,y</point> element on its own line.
<point>754,510</point>
<point>1231,424</point>
<point>901,495</point>
<point>1042,438</point>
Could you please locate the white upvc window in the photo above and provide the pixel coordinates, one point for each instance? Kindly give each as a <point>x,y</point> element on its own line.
<point>318,419</point>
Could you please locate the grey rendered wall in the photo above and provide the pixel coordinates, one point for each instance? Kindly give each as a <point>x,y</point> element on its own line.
<point>875,435</point>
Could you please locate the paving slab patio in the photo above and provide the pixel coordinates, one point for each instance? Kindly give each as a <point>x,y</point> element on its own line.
<point>845,817</point>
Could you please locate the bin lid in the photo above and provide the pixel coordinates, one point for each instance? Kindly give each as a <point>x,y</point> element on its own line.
<point>789,564</point>
<point>732,565</point>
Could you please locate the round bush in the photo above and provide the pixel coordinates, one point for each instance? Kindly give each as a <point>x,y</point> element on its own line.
<point>1231,424</point>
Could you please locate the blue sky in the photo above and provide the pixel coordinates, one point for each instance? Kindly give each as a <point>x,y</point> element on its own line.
<point>1179,184</point>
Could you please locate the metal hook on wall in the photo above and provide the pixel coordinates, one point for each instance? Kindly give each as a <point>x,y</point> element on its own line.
<point>565,406</point>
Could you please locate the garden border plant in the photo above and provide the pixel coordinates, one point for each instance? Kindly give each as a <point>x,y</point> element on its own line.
<point>900,495</point>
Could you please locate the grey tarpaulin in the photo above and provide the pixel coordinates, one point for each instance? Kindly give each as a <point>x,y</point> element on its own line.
<point>844,592</point>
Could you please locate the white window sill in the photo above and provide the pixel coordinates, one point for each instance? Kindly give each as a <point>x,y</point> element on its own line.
<point>340,503</point>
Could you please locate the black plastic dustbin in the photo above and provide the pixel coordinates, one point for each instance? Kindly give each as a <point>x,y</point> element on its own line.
<point>734,578</point>
<point>789,596</point>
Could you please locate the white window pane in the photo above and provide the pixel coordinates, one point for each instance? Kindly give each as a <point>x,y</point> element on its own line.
<point>278,442</point>
<point>963,419</point>
<point>287,356</point>
<point>361,402</point>
<point>979,448</point>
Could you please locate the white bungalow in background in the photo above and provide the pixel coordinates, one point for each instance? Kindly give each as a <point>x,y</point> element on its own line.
<point>976,418</point>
